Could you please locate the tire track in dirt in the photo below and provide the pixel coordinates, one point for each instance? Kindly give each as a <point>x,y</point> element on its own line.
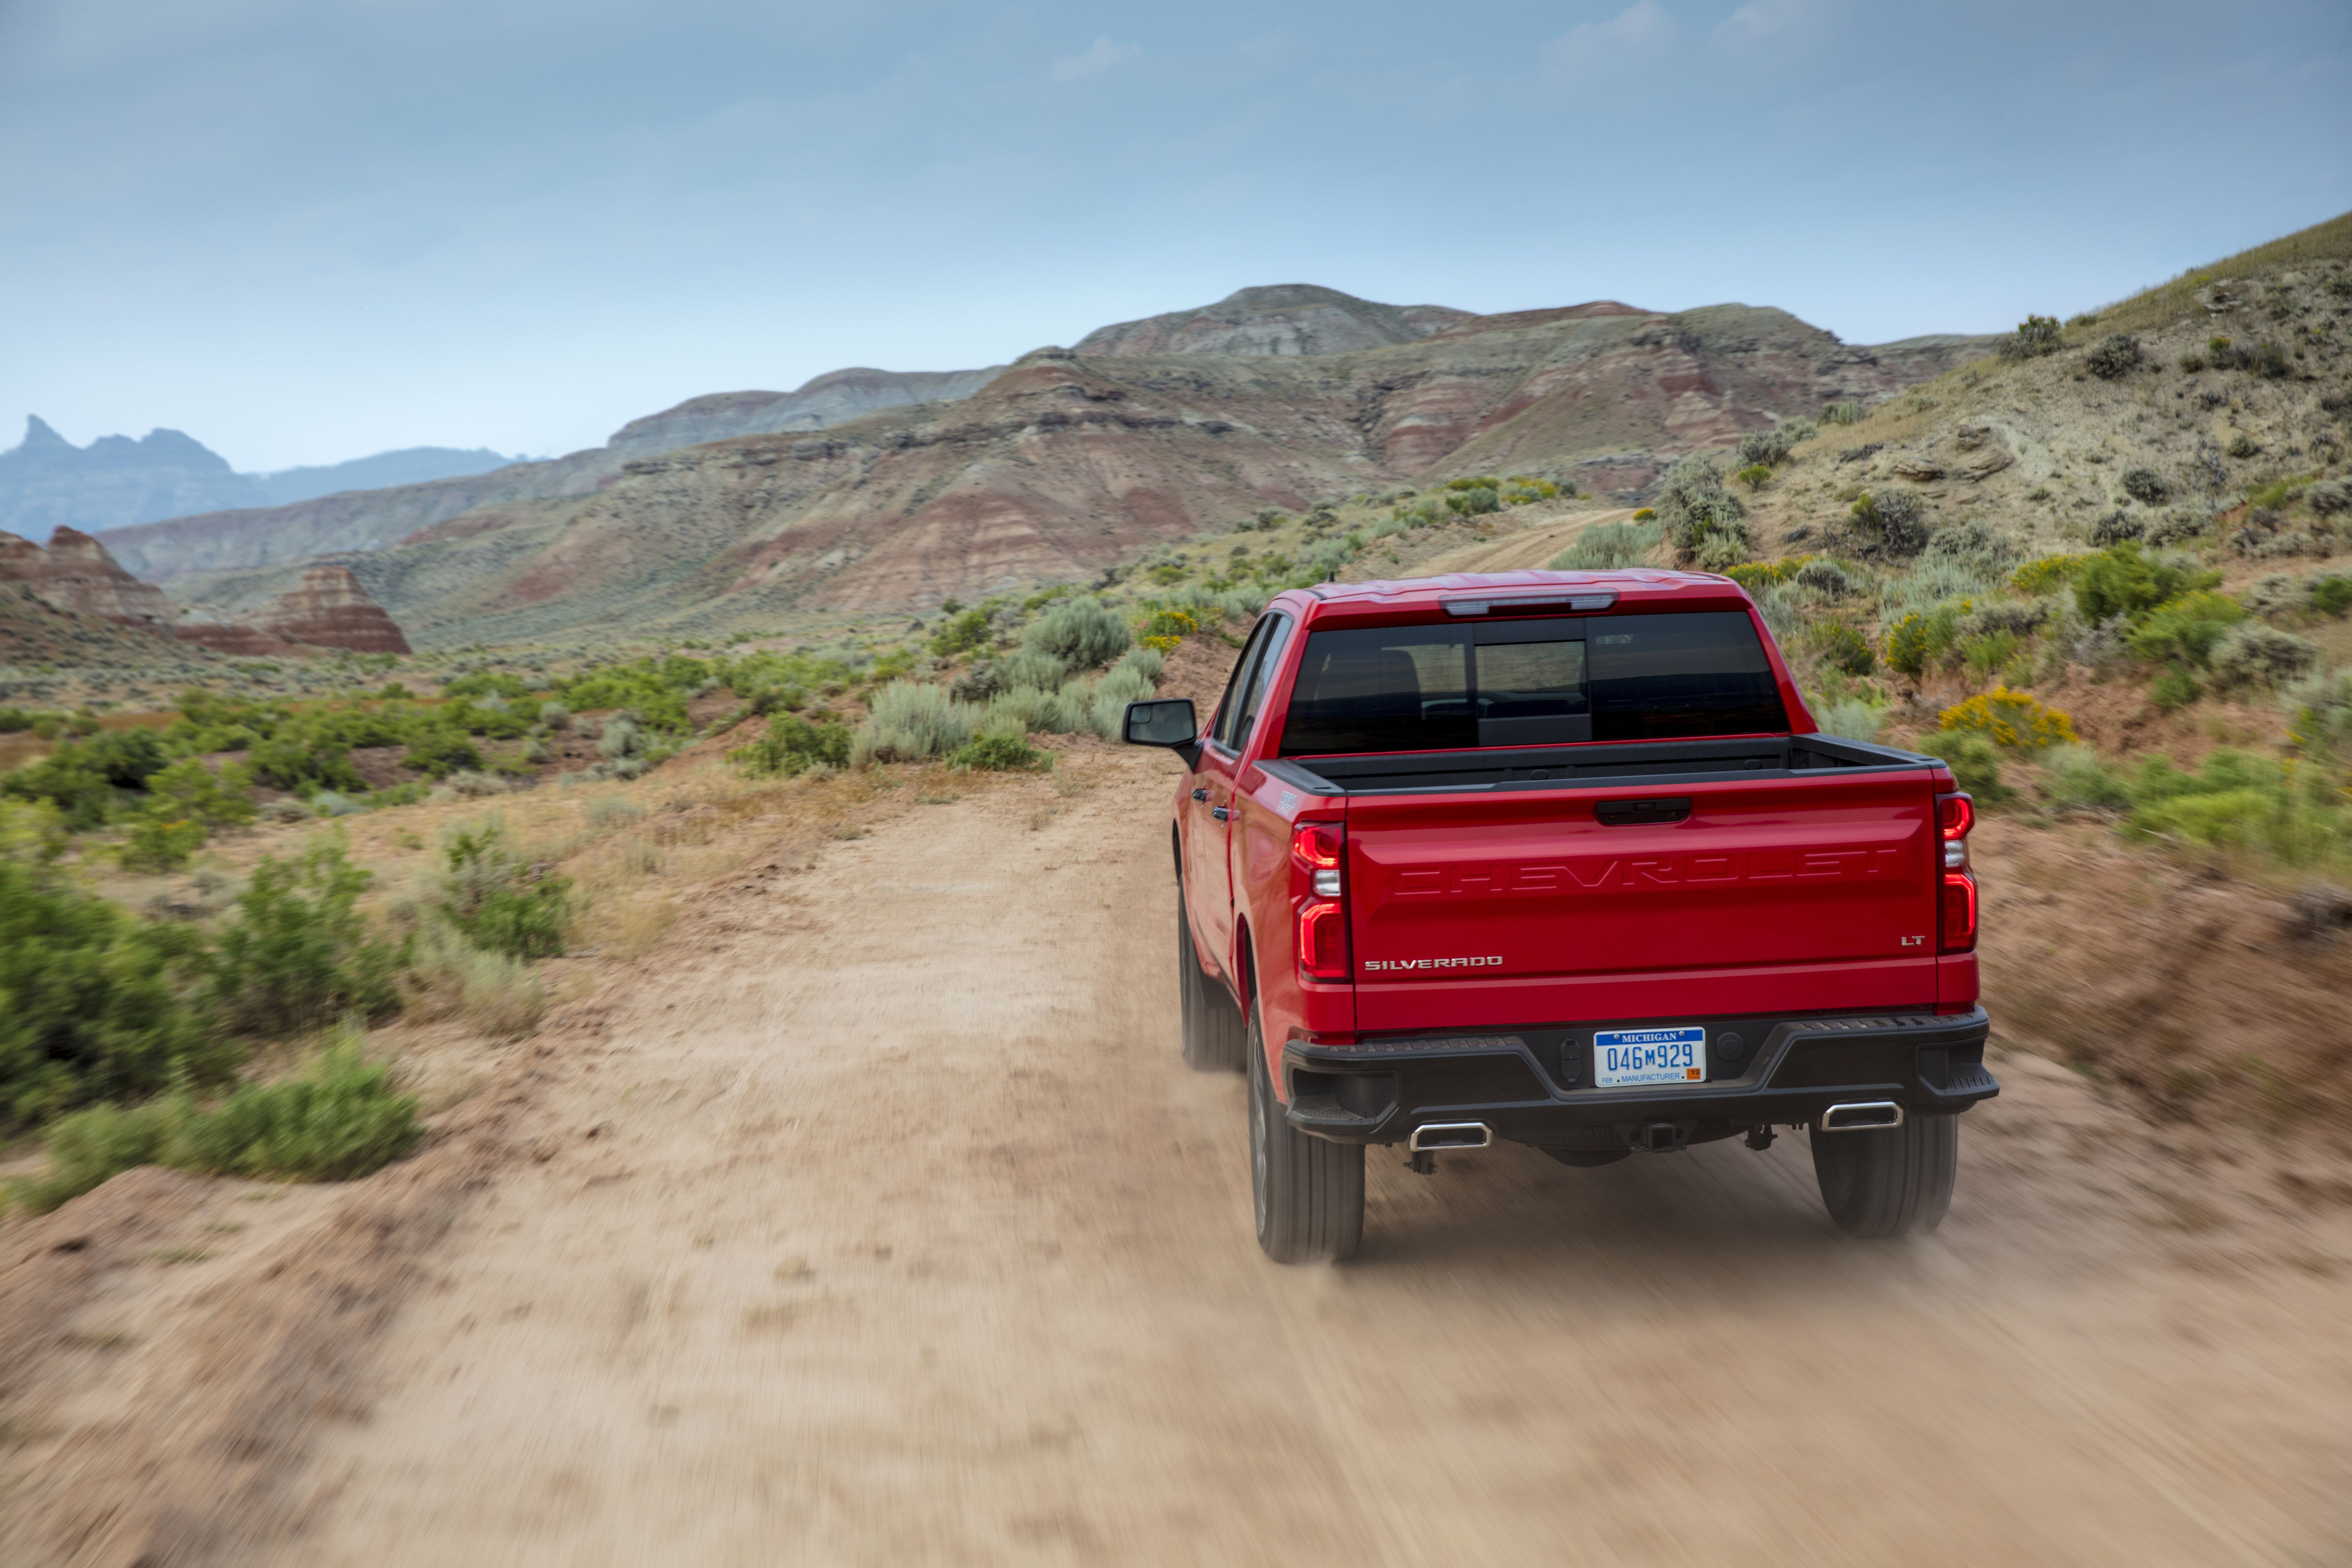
<point>882,1225</point>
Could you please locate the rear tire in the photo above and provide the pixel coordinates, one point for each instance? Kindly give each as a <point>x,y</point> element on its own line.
<point>1893,1182</point>
<point>1214,1036</point>
<point>1308,1192</point>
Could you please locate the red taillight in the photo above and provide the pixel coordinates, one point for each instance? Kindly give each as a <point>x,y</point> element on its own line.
<point>1319,852</point>
<point>1956,898</point>
<point>1323,940</point>
<point>1318,845</point>
<point>1958,914</point>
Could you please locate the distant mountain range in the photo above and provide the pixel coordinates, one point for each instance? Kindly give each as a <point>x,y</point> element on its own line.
<point>47,483</point>
<point>872,490</point>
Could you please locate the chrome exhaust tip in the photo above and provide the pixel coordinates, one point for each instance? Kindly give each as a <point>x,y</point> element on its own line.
<point>1860,1116</point>
<point>1450,1135</point>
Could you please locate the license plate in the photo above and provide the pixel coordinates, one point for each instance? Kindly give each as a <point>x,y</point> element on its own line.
<point>1623,1058</point>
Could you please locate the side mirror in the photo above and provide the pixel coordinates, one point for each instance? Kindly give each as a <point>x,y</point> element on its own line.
<point>1165,721</point>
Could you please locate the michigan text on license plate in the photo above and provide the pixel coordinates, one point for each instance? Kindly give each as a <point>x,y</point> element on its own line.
<point>1625,1057</point>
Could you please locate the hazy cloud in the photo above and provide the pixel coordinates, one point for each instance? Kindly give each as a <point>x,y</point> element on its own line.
<point>1759,20</point>
<point>1633,37</point>
<point>1101,57</point>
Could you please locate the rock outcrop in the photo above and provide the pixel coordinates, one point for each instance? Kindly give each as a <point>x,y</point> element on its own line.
<point>834,398</point>
<point>47,482</point>
<point>76,573</point>
<point>332,610</point>
<point>76,576</point>
<point>1281,318</point>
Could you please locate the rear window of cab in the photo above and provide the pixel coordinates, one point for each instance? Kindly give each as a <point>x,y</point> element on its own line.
<point>1548,680</point>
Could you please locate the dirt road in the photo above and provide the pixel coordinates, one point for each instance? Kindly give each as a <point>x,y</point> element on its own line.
<point>872,1219</point>
<point>884,1228</point>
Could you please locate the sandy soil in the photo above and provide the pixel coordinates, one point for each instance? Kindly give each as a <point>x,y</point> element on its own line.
<point>872,1219</point>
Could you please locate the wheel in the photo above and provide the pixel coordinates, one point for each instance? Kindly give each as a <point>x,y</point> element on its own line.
<point>1890,1182</point>
<point>1309,1193</point>
<point>1214,1037</point>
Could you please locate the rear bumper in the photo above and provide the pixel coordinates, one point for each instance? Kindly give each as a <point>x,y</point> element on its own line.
<point>1533,1085</point>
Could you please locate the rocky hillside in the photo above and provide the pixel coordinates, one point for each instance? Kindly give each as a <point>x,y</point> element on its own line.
<point>1068,462</point>
<point>834,398</point>
<point>1284,319</point>
<point>261,537</point>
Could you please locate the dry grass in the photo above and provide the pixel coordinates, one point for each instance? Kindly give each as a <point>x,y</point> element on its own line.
<point>625,929</point>
<point>2168,301</point>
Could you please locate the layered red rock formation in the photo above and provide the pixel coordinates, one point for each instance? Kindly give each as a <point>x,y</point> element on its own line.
<point>78,575</point>
<point>332,610</point>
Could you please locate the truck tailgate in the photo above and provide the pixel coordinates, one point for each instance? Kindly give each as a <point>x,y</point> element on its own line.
<point>1527,906</point>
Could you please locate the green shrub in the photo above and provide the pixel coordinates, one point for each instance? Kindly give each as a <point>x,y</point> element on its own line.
<point>1975,762</point>
<point>299,955</point>
<point>2146,486</point>
<point>1112,693</point>
<point>1843,647</point>
<point>501,904</point>
<point>85,779</point>
<point>1693,507</point>
<point>2121,580</point>
<point>2242,801</point>
<point>1609,547</point>
<point>793,745</point>
<point>1084,634</point>
<point>2079,778</point>
<point>437,754</point>
<point>1842,413</point>
<point>2253,655</point>
<point>965,632</point>
<point>2116,356</point>
<point>1896,518</point>
<point>487,683</point>
<point>339,1119</point>
<point>2332,596</point>
<point>2174,689</point>
<point>99,1003</point>
<point>2184,631</point>
<point>1753,475</point>
<point>1002,752</point>
<point>1027,709</point>
<point>159,841</point>
<point>2319,713</point>
<point>1850,717</point>
<point>2035,336</point>
<point>911,722</point>
<point>1987,654</point>
<point>1146,661</point>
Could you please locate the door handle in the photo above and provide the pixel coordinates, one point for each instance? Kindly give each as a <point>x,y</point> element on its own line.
<point>1199,794</point>
<point>1220,813</point>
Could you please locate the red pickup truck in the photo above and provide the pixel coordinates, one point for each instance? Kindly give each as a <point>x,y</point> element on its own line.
<point>1559,858</point>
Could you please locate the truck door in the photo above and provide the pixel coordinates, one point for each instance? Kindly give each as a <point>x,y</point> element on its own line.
<point>1209,804</point>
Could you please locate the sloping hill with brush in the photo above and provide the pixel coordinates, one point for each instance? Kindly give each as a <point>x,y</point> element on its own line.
<point>1067,463</point>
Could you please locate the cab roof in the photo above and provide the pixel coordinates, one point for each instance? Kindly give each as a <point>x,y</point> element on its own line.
<point>1539,592</point>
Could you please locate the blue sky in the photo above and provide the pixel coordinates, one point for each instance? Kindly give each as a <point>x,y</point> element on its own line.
<point>306,232</point>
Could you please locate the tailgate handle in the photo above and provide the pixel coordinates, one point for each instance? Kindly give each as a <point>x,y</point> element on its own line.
<point>1626,813</point>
